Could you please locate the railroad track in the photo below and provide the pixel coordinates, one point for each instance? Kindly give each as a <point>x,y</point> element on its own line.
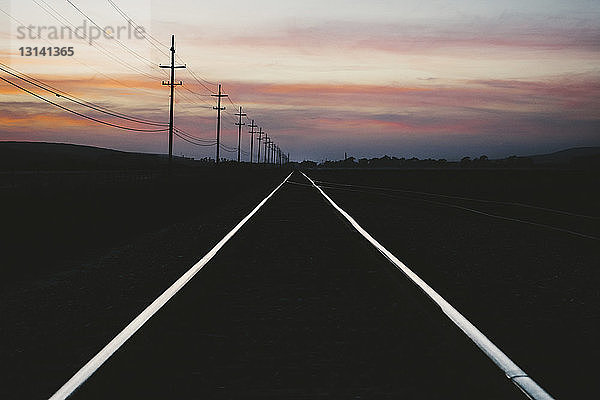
<point>100,387</point>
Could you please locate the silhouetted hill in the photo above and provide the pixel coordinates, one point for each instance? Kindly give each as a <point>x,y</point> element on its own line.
<point>574,156</point>
<point>60,156</point>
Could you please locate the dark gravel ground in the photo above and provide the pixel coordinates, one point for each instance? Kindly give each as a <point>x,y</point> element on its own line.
<point>298,306</point>
<point>69,288</point>
<point>535,292</point>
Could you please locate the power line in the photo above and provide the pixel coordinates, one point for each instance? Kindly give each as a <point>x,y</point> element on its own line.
<point>145,34</point>
<point>196,93</point>
<point>201,81</point>
<point>192,142</point>
<point>192,100</point>
<point>75,58</point>
<point>78,113</point>
<point>96,45</point>
<point>60,93</point>
<point>228,149</point>
<point>49,9</point>
<point>181,131</point>
<point>118,41</point>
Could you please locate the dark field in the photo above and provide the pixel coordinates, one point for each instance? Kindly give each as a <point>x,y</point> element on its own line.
<point>56,220</point>
<point>297,305</point>
<point>532,290</point>
<point>82,257</point>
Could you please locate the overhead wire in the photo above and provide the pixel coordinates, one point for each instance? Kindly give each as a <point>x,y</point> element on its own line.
<point>228,150</point>
<point>194,137</point>
<point>196,93</point>
<point>153,41</point>
<point>76,59</point>
<point>117,40</point>
<point>192,101</point>
<point>67,96</point>
<point>57,16</point>
<point>200,80</point>
<point>78,113</point>
<point>192,141</point>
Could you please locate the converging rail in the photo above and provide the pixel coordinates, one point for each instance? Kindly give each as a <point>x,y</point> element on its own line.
<point>510,369</point>
<point>96,362</point>
<point>516,375</point>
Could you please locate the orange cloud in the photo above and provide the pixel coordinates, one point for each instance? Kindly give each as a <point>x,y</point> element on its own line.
<point>44,121</point>
<point>337,89</point>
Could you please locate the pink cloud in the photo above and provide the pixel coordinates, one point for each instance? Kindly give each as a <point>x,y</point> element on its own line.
<point>510,31</point>
<point>306,115</point>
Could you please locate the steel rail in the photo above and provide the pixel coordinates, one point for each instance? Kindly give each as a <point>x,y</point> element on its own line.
<point>512,371</point>
<point>96,362</point>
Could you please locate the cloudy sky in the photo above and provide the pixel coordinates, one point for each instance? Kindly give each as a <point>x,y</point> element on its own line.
<point>440,79</point>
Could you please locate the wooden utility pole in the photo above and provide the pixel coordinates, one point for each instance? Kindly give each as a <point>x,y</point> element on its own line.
<point>267,141</point>
<point>252,126</point>
<point>172,84</point>
<point>260,138</point>
<point>270,160</point>
<point>219,109</point>
<point>239,124</point>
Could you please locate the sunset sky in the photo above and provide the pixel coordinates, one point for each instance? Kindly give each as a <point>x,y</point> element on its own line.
<point>441,79</point>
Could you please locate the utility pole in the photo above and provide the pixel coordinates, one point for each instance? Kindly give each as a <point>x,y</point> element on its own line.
<point>219,109</point>
<point>172,84</point>
<point>252,139</point>
<point>239,124</point>
<point>267,140</point>
<point>260,138</point>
